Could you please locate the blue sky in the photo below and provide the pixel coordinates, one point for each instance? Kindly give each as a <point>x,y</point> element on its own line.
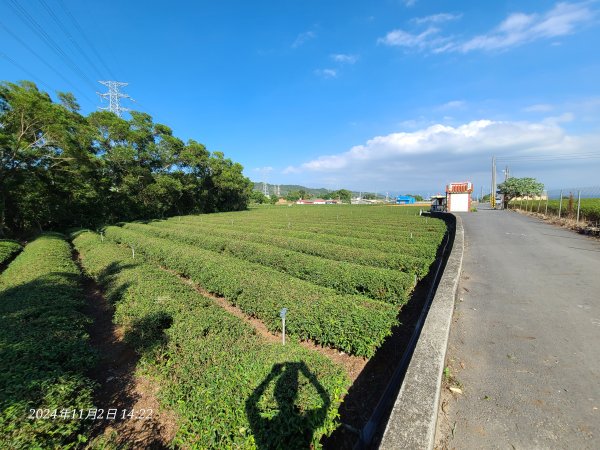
<point>389,95</point>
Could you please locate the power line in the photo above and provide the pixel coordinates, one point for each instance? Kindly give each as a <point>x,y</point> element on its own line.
<point>33,77</point>
<point>37,55</point>
<point>39,30</point>
<point>70,37</point>
<point>525,158</point>
<point>89,43</point>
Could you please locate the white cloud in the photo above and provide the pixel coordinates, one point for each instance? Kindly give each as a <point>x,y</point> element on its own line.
<point>439,153</point>
<point>539,107</point>
<point>343,58</point>
<point>517,29</point>
<point>326,73</point>
<point>563,118</point>
<point>436,18</point>
<point>266,169</point>
<point>454,104</point>
<point>409,3</point>
<point>411,124</point>
<point>303,37</point>
<point>401,38</point>
<point>520,28</point>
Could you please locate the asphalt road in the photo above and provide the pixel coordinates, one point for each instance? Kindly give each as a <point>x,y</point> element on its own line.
<point>525,338</point>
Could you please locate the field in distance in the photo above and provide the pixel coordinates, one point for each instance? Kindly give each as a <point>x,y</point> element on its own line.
<point>199,298</point>
<point>589,208</point>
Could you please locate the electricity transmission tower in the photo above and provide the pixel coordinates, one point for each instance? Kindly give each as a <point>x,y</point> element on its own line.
<point>113,96</point>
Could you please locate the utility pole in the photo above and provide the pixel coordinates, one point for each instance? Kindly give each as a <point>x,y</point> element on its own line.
<point>113,95</point>
<point>493,194</point>
<point>506,177</point>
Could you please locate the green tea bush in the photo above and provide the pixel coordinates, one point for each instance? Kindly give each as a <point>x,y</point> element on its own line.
<point>44,348</point>
<point>354,324</point>
<point>228,386</point>
<point>420,245</point>
<point>7,250</point>
<point>344,277</point>
<point>336,252</point>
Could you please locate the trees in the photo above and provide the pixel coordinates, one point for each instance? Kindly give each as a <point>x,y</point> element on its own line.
<point>343,194</point>
<point>519,187</point>
<point>61,169</point>
<point>258,197</point>
<point>45,158</point>
<point>293,196</point>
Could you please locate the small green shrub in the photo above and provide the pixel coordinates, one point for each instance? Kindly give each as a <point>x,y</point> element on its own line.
<point>8,249</point>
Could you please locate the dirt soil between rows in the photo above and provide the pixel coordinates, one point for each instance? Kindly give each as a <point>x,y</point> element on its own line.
<point>369,377</point>
<point>119,386</point>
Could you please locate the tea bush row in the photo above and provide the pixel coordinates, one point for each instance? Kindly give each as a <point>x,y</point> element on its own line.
<point>421,245</point>
<point>44,347</point>
<point>344,277</point>
<point>336,252</point>
<point>228,386</point>
<point>7,250</point>
<point>354,324</point>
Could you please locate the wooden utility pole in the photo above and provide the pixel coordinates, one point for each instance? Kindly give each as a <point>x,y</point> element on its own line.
<point>493,193</point>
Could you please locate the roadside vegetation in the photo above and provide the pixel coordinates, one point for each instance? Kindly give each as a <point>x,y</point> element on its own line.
<point>589,209</point>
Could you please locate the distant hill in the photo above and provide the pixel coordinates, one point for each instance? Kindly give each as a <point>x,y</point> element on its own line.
<point>284,189</point>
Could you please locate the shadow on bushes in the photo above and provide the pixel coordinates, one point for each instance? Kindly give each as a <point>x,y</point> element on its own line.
<point>44,352</point>
<point>146,333</point>
<point>285,426</point>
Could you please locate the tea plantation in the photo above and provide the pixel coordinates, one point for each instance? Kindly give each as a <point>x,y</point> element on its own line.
<point>342,272</point>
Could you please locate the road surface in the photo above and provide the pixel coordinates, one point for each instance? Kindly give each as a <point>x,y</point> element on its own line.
<point>524,344</point>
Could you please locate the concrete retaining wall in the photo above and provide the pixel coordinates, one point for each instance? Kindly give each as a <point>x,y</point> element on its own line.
<point>413,419</point>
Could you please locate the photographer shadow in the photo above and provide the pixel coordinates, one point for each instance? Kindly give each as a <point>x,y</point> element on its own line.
<point>286,426</point>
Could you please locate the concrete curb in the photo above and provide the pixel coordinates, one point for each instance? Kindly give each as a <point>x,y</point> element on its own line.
<point>413,418</point>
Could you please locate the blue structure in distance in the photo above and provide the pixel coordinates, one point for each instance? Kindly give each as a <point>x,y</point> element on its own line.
<point>405,200</point>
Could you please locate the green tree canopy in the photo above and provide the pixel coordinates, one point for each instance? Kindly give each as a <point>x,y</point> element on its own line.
<point>519,187</point>
<point>343,194</point>
<point>61,169</point>
<point>293,196</point>
<point>258,197</point>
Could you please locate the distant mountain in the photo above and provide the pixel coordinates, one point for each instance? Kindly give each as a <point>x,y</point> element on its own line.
<point>284,189</point>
